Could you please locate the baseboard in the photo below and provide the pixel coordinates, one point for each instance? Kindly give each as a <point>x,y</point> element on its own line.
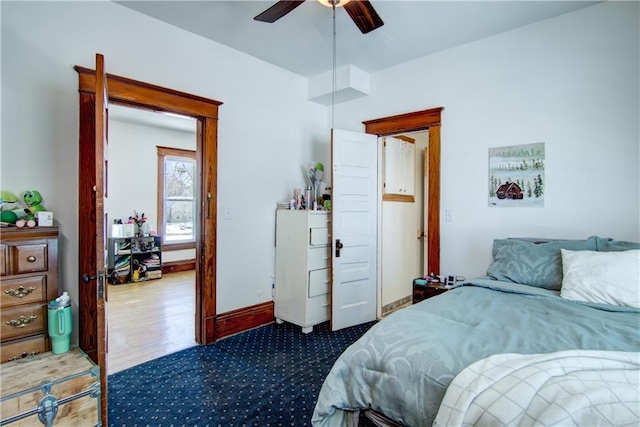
<point>176,266</point>
<point>243,319</point>
<point>395,305</point>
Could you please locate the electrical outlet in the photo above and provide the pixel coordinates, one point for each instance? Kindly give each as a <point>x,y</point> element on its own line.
<point>259,296</point>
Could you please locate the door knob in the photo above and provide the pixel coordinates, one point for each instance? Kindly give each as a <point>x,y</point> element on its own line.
<point>113,277</point>
<point>339,246</point>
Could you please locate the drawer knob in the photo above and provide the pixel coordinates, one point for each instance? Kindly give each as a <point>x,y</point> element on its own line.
<point>22,321</point>
<point>31,258</point>
<point>20,292</point>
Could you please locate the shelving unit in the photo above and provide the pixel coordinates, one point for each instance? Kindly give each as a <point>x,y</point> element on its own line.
<point>135,259</point>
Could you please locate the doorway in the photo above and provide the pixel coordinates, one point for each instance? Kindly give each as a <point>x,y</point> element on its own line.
<point>402,225</point>
<point>414,122</point>
<point>134,93</point>
<point>411,122</point>
<point>151,317</point>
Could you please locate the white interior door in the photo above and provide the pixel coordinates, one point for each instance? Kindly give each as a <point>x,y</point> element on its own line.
<point>354,222</point>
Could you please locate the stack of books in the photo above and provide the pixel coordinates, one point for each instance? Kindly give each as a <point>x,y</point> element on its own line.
<point>122,266</point>
<point>123,247</point>
<point>152,263</point>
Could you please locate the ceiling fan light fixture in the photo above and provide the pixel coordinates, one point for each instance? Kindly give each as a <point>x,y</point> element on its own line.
<point>331,3</point>
<point>361,12</point>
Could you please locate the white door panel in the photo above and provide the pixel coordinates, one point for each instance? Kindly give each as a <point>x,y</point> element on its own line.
<point>353,296</point>
<point>355,225</point>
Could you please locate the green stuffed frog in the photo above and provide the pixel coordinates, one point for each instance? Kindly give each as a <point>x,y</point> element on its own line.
<point>33,200</point>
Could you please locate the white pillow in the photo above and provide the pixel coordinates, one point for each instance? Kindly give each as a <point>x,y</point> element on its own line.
<point>602,277</point>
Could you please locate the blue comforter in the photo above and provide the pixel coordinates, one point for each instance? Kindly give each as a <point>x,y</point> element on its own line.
<point>403,365</point>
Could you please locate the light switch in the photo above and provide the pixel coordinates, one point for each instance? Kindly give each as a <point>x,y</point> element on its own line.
<point>448,215</point>
<point>227,212</point>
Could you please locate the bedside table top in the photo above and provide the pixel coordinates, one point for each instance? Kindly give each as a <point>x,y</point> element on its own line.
<point>435,285</point>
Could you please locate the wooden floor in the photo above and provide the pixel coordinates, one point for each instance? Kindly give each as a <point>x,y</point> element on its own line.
<point>150,319</point>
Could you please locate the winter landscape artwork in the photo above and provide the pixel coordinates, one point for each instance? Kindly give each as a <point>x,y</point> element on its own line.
<point>516,176</point>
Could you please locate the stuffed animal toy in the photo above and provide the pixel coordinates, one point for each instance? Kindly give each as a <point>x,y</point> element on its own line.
<point>10,211</point>
<point>33,200</point>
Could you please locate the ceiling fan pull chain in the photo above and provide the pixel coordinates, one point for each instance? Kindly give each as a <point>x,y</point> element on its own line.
<point>333,82</point>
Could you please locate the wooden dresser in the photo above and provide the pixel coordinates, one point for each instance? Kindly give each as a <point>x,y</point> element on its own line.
<point>29,279</point>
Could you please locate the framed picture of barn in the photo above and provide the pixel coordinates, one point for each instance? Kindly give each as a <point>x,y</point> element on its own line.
<point>516,176</point>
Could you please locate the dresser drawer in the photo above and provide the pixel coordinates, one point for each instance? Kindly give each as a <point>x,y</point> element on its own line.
<point>319,282</point>
<point>319,236</point>
<point>20,349</point>
<point>23,321</point>
<point>318,309</point>
<point>3,260</point>
<point>319,220</point>
<point>23,290</point>
<point>319,258</point>
<point>29,258</point>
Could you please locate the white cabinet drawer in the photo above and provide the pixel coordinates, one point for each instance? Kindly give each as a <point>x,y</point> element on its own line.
<point>319,220</point>
<point>319,282</point>
<point>319,258</point>
<point>319,236</point>
<point>318,309</point>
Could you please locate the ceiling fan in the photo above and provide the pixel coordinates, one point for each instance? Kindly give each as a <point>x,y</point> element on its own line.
<point>361,12</point>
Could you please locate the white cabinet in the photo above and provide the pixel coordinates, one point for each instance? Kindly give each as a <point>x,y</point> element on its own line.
<point>303,267</point>
<point>399,167</point>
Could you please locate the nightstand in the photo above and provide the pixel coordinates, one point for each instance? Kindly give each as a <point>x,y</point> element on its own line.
<point>422,292</point>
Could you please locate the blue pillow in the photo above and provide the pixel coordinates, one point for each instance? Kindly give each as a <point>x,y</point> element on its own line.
<point>531,263</point>
<point>610,245</point>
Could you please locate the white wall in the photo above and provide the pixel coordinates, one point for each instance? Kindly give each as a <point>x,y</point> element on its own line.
<point>260,153</point>
<point>571,82</point>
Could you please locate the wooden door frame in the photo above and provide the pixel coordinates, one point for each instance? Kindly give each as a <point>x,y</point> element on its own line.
<point>132,93</point>
<point>411,122</point>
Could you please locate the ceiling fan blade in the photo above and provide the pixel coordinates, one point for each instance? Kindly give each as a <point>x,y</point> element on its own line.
<point>278,10</point>
<point>364,15</point>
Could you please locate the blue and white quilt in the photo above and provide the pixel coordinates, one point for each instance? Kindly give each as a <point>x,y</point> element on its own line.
<point>404,364</point>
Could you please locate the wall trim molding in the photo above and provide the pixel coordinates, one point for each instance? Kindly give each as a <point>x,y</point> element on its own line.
<point>393,306</point>
<point>177,266</point>
<point>243,319</point>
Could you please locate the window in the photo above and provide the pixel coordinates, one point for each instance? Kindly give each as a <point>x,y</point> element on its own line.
<point>177,197</point>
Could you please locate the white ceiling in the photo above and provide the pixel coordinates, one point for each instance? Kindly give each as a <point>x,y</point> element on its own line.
<point>301,41</point>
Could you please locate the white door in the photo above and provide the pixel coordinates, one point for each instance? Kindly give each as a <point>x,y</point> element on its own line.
<point>354,222</point>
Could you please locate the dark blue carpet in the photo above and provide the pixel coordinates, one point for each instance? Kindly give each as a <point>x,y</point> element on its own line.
<point>270,376</point>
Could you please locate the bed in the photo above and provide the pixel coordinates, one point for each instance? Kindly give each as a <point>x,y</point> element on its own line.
<point>544,305</point>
